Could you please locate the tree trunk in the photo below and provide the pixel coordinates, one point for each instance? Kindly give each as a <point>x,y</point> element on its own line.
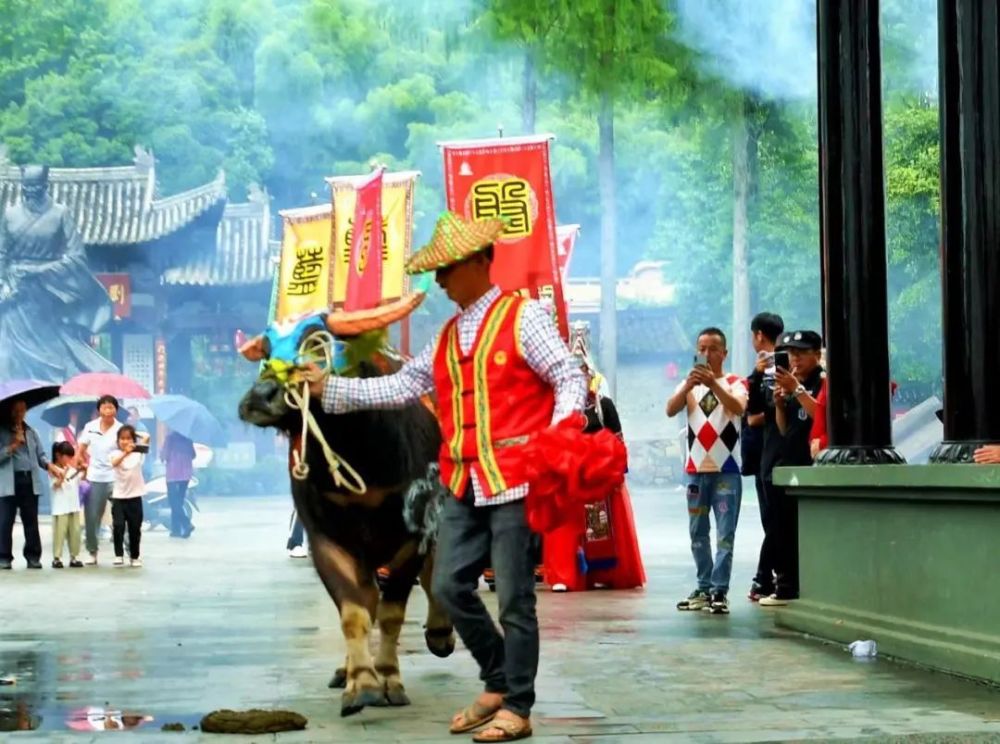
<point>609,288</point>
<point>530,93</point>
<point>739,357</point>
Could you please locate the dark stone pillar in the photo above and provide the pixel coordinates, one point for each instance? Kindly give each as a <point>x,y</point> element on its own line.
<point>852,198</point>
<point>968,35</point>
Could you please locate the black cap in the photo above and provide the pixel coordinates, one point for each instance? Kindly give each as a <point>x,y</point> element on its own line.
<point>809,340</point>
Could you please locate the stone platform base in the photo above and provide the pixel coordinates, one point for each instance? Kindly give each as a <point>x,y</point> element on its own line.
<point>908,556</point>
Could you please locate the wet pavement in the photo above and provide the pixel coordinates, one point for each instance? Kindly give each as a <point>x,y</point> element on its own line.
<point>227,620</point>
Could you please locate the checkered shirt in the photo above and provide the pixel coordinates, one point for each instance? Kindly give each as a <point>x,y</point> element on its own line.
<point>544,351</point>
<point>713,432</point>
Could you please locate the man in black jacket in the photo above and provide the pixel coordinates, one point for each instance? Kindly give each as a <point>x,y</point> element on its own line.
<point>765,329</point>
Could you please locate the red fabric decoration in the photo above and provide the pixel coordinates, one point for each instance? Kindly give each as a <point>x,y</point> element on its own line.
<point>566,468</point>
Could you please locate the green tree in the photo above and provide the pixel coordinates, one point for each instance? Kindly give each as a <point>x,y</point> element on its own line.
<point>610,52</point>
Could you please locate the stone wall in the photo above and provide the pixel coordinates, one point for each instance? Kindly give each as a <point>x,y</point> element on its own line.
<point>655,443</point>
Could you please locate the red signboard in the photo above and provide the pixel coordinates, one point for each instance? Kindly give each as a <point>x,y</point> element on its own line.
<point>509,179</point>
<point>119,288</point>
<point>364,283</point>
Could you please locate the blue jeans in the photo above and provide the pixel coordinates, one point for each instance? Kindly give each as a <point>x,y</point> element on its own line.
<point>721,493</point>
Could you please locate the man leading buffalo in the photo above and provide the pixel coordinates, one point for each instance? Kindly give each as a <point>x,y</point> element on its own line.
<point>501,373</point>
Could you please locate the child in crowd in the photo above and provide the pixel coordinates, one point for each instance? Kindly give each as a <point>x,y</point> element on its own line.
<point>65,506</point>
<point>126,496</point>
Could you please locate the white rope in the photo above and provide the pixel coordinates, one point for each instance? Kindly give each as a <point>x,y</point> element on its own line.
<point>343,474</point>
<point>318,348</point>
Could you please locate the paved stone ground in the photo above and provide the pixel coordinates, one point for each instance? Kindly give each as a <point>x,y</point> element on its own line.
<point>226,620</point>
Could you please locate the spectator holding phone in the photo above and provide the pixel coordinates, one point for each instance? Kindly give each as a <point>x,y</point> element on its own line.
<point>765,330</point>
<point>798,380</point>
<point>715,403</point>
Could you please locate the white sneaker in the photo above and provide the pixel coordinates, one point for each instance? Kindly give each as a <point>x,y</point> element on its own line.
<point>90,560</point>
<point>298,551</point>
<point>135,563</point>
<point>773,601</point>
<point>118,561</point>
<point>559,588</point>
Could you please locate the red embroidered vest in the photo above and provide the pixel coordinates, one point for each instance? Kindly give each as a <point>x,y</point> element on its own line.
<point>489,401</point>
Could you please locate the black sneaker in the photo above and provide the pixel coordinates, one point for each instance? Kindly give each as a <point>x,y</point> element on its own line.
<point>34,564</point>
<point>75,563</point>
<point>57,563</point>
<point>758,592</point>
<point>696,600</point>
<point>719,604</point>
<point>6,566</point>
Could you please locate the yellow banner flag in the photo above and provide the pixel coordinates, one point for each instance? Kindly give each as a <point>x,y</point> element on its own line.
<point>304,273</point>
<point>397,230</point>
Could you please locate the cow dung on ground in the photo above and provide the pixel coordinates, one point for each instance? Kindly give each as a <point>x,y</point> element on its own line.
<point>252,721</point>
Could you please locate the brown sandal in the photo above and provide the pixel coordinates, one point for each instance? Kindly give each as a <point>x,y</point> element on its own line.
<point>511,727</point>
<point>473,717</point>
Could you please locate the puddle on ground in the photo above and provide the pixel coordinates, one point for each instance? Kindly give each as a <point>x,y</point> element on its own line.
<point>21,714</point>
<point>16,715</point>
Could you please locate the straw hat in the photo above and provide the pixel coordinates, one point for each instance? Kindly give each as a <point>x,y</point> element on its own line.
<point>454,240</point>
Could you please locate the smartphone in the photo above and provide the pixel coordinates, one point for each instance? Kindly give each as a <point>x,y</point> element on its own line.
<point>782,360</point>
<point>700,360</point>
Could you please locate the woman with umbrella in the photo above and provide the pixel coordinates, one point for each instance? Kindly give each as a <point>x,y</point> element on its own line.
<point>21,453</point>
<point>189,421</point>
<point>178,454</point>
<point>97,440</point>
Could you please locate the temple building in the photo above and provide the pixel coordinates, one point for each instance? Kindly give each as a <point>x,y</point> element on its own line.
<point>183,271</point>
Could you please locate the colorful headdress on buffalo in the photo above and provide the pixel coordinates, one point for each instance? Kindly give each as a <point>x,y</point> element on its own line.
<point>454,240</point>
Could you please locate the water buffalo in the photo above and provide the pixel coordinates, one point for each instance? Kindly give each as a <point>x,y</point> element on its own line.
<point>352,535</point>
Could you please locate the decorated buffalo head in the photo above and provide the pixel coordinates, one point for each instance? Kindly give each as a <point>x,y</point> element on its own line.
<point>284,350</point>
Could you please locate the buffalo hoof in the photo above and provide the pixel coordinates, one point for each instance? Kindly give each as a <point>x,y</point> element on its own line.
<point>440,641</point>
<point>358,700</point>
<point>339,679</point>
<point>396,696</point>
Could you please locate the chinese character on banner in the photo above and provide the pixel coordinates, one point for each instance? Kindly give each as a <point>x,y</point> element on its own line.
<point>119,288</point>
<point>509,179</point>
<point>302,283</point>
<point>307,269</point>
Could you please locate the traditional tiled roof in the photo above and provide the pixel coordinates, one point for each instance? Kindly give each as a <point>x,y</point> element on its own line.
<point>119,206</point>
<point>243,251</point>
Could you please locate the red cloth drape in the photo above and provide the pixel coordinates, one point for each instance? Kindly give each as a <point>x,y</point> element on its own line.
<point>566,468</point>
<point>819,420</point>
<point>564,551</point>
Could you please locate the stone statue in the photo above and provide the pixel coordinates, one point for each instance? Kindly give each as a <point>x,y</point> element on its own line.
<point>50,302</point>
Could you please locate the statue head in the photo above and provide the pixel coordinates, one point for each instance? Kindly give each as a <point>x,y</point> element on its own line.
<point>34,185</point>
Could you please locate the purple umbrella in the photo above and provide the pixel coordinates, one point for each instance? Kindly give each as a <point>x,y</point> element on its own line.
<point>31,392</point>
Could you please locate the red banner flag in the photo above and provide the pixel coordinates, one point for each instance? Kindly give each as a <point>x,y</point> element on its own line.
<point>566,236</point>
<point>119,288</point>
<point>364,279</point>
<point>509,179</point>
